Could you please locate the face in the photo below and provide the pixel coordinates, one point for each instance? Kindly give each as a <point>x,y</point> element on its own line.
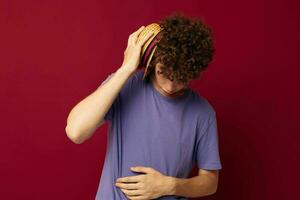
<point>167,85</point>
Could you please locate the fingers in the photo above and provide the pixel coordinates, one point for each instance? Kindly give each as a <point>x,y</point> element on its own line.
<point>136,34</point>
<point>142,42</point>
<point>133,37</point>
<point>131,178</point>
<point>128,186</point>
<point>139,30</point>
<point>132,193</point>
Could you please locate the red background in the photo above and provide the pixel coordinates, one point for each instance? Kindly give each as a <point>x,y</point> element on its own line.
<point>55,53</point>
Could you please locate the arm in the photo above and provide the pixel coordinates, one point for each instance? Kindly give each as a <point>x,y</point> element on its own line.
<point>88,114</point>
<point>204,184</point>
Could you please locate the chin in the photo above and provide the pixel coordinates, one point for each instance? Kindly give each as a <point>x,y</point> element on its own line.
<point>170,92</point>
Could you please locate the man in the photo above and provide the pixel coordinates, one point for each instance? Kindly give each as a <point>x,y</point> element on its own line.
<point>158,128</point>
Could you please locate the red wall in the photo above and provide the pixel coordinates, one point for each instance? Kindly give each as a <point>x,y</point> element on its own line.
<point>55,53</point>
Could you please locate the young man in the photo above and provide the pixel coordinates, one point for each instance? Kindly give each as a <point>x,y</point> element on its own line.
<point>159,128</point>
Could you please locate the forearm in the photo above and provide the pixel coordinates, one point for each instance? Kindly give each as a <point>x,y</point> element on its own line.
<point>197,186</point>
<point>84,118</point>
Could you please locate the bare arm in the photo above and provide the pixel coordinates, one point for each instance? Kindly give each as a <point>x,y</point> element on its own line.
<point>206,183</point>
<point>88,114</point>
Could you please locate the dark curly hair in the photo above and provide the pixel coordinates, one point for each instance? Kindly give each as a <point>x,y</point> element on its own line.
<point>185,48</point>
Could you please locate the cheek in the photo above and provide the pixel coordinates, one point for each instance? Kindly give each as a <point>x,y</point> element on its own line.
<point>160,78</point>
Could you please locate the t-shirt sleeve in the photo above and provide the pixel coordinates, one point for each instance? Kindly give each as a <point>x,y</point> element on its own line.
<point>207,147</point>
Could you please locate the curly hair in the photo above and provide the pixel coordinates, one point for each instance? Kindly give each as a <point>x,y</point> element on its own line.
<point>185,48</point>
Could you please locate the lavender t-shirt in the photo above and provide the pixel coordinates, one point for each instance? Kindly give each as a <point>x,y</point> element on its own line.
<point>152,130</point>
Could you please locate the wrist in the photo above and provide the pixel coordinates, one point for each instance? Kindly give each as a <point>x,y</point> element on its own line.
<point>170,185</point>
<point>125,71</point>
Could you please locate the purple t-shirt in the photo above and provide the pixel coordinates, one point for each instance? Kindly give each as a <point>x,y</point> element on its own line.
<point>152,130</point>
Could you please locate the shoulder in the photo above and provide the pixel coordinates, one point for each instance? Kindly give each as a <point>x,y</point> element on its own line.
<point>203,110</point>
<point>132,83</point>
<point>205,113</point>
<point>135,77</point>
<point>202,104</point>
<point>138,75</point>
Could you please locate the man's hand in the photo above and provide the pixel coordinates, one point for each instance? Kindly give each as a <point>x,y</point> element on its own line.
<point>150,185</point>
<point>132,54</point>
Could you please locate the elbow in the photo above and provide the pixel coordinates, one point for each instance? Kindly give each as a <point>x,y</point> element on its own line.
<point>215,183</point>
<point>214,189</point>
<point>73,135</point>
